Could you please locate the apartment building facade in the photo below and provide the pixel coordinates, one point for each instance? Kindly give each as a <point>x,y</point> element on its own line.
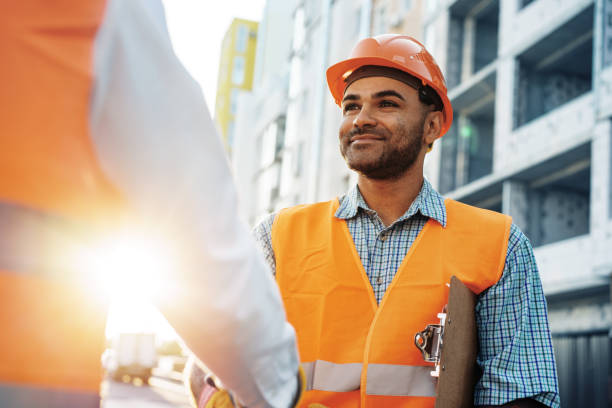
<point>259,142</point>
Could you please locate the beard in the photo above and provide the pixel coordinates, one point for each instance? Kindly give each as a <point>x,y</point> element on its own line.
<point>399,152</point>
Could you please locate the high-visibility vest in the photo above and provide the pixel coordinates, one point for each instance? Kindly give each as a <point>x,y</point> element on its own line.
<point>52,193</point>
<point>358,353</point>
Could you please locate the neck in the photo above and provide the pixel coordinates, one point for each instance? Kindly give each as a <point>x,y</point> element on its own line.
<point>392,198</point>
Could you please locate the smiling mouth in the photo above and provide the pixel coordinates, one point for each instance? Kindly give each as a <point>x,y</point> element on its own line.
<point>365,138</point>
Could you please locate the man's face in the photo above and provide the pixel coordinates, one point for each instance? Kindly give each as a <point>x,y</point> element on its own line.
<point>381,134</point>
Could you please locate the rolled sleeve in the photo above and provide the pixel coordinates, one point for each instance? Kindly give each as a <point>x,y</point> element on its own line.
<point>516,354</point>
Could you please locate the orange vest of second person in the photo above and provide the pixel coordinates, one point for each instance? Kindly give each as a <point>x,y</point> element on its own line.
<point>51,192</point>
<point>355,352</point>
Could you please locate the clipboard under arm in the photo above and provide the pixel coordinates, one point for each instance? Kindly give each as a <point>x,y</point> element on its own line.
<point>452,346</point>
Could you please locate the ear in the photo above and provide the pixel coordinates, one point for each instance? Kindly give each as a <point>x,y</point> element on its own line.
<point>432,127</point>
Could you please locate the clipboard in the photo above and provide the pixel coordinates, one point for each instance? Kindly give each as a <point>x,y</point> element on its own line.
<point>452,346</point>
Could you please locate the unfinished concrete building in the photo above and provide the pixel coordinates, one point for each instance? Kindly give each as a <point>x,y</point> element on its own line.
<point>531,86</point>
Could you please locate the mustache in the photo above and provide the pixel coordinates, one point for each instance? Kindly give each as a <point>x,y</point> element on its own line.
<point>360,131</point>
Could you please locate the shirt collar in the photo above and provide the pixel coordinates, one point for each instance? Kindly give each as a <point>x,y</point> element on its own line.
<point>428,202</point>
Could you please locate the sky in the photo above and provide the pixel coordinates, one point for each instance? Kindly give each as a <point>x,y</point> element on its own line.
<point>197,28</point>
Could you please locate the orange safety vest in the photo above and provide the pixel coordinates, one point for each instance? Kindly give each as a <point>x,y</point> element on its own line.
<point>358,353</point>
<point>51,190</point>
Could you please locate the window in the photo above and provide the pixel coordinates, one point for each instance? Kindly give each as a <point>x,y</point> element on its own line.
<point>467,149</point>
<point>299,32</point>
<point>607,33</point>
<point>230,134</point>
<point>238,71</point>
<point>299,161</point>
<point>555,71</point>
<point>234,100</point>
<point>242,36</point>
<point>473,38</point>
<point>380,20</point>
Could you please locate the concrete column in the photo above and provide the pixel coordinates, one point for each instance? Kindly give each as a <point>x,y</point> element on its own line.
<point>515,203</point>
<point>504,88</point>
<point>365,19</point>
<point>601,191</point>
<point>320,96</point>
<point>463,153</point>
<point>469,43</point>
<point>504,145</point>
<point>507,14</point>
<point>602,61</point>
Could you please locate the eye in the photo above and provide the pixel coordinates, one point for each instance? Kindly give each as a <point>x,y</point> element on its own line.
<point>350,107</point>
<point>387,103</point>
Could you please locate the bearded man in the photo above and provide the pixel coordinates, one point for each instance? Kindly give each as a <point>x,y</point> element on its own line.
<point>359,275</point>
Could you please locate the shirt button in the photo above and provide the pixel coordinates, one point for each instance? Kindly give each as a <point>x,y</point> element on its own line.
<point>379,280</point>
<point>383,237</point>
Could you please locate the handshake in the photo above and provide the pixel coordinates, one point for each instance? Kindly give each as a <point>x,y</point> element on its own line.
<point>207,392</point>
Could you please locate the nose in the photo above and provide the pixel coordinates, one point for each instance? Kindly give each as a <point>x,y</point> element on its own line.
<point>364,118</point>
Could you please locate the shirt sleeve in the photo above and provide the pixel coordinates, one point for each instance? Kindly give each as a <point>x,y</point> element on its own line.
<point>155,140</point>
<point>263,236</point>
<point>515,353</point>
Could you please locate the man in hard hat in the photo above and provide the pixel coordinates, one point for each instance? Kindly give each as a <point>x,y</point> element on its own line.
<point>359,275</point>
<point>99,118</point>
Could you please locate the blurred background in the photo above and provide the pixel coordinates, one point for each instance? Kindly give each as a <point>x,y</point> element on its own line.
<point>530,82</point>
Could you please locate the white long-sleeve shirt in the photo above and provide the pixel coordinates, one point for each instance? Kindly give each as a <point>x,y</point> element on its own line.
<point>155,140</point>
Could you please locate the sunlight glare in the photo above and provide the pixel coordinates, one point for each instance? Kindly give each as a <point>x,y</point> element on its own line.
<point>128,266</point>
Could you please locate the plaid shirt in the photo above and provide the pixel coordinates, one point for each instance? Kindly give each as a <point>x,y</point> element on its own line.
<point>515,353</point>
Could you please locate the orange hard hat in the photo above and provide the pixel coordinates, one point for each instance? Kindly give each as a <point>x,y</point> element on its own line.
<point>394,51</point>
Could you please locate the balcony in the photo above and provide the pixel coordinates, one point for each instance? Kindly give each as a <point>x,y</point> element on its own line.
<point>555,70</point>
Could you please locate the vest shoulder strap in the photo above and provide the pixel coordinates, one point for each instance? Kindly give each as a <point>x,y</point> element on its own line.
<point>477,234</point>
<point>314,219</point>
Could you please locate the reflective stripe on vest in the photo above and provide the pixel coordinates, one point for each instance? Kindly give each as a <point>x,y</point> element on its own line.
<point>15,396</point>
<point>329,300</point>
<point>35,243</point>
<point>53,319</point>
<point>383,379</point>
<point>326,376</point>
<point>400,380</point>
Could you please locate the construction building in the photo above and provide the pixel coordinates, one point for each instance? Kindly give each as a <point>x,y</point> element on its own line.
<point>236,67</point>
<point>530,86</point>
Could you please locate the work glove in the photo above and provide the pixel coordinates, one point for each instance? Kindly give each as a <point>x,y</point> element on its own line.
<point>302,389</point>
<point>213,396</point>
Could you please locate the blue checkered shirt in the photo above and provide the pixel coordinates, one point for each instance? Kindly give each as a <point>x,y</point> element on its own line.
<point>515,353</point>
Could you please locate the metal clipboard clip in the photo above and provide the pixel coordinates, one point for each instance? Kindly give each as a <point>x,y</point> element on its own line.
<point>430,342</point>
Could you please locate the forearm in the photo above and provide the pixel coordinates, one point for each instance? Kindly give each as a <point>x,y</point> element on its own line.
<point>515,347</point>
